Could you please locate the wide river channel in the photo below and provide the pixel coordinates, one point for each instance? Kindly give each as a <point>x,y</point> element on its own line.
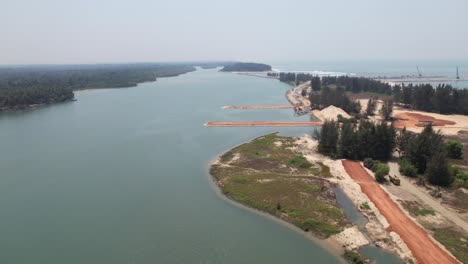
<point>121,176</point>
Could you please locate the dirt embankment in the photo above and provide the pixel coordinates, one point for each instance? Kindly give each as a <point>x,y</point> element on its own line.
<point>263,123</point>
<point>421,245</point>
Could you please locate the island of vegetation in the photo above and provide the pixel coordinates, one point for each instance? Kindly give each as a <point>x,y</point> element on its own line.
<point>246,67</point>
<point>267,174</point>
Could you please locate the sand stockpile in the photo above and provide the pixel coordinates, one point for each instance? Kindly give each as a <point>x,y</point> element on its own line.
<point>331,113</point>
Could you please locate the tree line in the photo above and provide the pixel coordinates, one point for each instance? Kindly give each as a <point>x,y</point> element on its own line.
<point>246,66</point>
<point>443,99</point>
<point>365,139</point>
<point>23,86</point>
<point>425,154</point>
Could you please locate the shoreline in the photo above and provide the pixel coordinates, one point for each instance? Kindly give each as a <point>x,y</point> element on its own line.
<point>35,106</point>
<point>376,225</point>
<point>333,246</point>
<point>352,237</point>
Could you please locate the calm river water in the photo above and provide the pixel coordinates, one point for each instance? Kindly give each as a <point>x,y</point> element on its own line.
<point>121,176</point>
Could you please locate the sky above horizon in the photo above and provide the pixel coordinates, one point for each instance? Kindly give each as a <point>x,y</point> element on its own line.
<point>107,31</point>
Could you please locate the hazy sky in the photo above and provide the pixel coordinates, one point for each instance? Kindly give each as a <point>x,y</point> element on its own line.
<point>96,31</point>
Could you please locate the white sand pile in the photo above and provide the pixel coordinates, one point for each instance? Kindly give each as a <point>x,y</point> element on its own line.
<point>351,238</point>
<point>330,113</point>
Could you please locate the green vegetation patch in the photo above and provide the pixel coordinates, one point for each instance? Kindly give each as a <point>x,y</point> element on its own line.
<point>267,175</point>
<point>454,241</point>
<point>460,199</point>
<point>324,170</point>
<point>417,209</point>
<point>365,206</point>
<point>299,161</point>
<point>354,257</point>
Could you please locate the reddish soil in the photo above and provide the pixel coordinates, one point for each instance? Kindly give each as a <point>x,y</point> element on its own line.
<point>407,119</point>
<point>264,123</point>
<point>416,238</point>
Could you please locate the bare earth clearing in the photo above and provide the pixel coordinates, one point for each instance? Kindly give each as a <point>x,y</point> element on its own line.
<point>448,124</point>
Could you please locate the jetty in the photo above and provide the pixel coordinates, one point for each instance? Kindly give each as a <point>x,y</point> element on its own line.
<point>258,107</point>
<point>263,124</point>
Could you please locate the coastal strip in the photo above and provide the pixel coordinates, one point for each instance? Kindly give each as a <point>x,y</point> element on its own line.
<point>262,123</point>
<point>440,79</point>
<point>258,75</point>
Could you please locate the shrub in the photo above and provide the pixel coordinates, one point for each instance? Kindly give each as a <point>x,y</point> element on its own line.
<point>299,161</point>
<point>368,163</point>
<point>365,206</point>
<point>454,149</point>
<point>407,168</point>
<point>380,172</point>
<point>353,257</point>
<point>278,206</point>
<point>461,177</point>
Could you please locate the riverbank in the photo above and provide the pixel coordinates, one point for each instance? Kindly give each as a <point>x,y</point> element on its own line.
<point>281,177</point>
<point>34,106</point>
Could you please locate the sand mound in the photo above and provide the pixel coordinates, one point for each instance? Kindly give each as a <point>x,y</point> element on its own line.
<point>330,112</point>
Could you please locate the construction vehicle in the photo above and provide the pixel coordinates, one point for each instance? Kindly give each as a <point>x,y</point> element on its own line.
<point>394,179</point>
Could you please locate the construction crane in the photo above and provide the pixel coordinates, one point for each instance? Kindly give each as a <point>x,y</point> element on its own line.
<point>419,72</point>
<point>458,75</point>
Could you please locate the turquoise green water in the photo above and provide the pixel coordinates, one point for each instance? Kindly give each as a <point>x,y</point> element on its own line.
<point>121,176</point>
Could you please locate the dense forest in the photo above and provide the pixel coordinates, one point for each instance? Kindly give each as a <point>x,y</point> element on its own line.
<point>356,141</point>
<point>246,67</point>
<point>24,86</point>
<point>443,99</point>
<point>428,154</point>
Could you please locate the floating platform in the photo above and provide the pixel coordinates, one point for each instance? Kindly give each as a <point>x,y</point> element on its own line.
<point>263,124</point>
<point>258,107</point>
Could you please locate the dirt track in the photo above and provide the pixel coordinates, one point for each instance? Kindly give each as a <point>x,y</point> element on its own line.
<point>263,123</point>
<point>421,245</point>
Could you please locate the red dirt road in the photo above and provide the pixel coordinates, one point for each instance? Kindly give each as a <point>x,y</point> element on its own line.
<point>263,123</point>
<point>418,241</point>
